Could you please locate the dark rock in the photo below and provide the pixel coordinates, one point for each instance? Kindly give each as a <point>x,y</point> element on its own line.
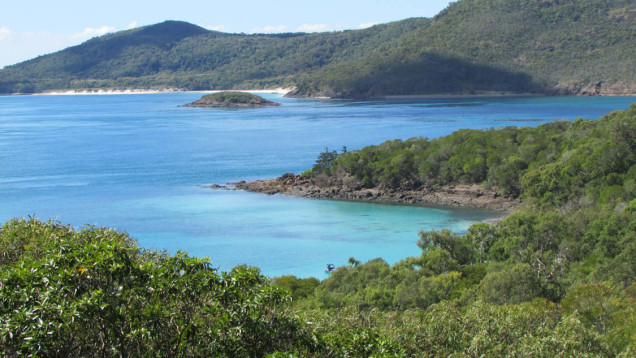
<point>335,188</point>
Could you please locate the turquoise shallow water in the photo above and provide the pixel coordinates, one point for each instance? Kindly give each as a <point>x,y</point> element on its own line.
<point>139,163</point>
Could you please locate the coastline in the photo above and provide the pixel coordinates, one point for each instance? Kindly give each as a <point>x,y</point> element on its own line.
<point>286,90</point>
<point>279,90</point>
<point>484,95</point>
<point>464,195</point>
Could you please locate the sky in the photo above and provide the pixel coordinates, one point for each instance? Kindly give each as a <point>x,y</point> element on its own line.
<point>29,28</point>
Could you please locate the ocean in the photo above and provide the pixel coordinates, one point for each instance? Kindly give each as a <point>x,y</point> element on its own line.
<point>141,164</point>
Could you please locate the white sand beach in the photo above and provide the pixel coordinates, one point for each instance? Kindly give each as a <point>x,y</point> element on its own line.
<point>279,90</point>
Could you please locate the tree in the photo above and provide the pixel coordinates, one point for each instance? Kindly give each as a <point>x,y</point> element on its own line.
<point>459,248</point>
<point>325,162</point>
<point>510,285</point>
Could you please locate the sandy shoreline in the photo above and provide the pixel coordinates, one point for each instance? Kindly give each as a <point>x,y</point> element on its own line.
<point>279,90</point>
<point>282,91</point>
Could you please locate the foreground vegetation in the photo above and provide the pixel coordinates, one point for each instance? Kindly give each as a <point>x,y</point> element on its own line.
<point>93,292</point>
<point>473,46</point>
<point>555,278</point>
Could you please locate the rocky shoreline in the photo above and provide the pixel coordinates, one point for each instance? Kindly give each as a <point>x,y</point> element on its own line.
<point>231,99</point>
<point>470,196</point>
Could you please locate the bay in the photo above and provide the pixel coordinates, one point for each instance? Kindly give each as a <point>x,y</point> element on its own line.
<point>139,163</point>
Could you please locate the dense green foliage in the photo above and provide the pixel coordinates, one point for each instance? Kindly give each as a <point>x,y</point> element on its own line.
<point>531,329</point>
<point>555,278</point>
<point>94,293</point>
<point>474,46</point>
<point>480,46</point>
<point>552,164</point>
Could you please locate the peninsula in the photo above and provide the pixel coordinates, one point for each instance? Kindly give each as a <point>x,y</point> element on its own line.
<point>490,169</point>
<point>231,99</point>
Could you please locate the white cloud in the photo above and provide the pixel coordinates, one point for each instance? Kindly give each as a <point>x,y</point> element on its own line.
<point>22,46</point>
<point>132,25</point>
<point>90,32</point>
<point>5,33</point>
<point>223,28</point>
<point>16,47</point>
<point>270,29</point>
<point>313,27</point>
<point>367,24</point>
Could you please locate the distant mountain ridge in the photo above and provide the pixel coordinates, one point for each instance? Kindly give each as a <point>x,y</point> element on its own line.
<point>568,47</point>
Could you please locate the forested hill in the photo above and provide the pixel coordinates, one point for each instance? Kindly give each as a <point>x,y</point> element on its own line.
<point>176,54</point>
<point>473,46</point>
<point>476,46</point>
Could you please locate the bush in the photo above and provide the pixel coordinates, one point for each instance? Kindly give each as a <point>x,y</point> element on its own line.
<point>93,292</point>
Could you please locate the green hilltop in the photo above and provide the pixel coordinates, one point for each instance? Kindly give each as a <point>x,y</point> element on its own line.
<point>152,57</point>
<point>565,47</point>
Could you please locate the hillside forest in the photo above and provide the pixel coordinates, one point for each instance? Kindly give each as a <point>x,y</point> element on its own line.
<point>564,47</point>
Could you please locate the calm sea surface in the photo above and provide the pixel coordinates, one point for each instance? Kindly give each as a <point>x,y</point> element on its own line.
<point>139,163</point>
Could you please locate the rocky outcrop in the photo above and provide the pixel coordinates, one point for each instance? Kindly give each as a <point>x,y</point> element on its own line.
<point>597,88</point>
<point>315,93</point>
<point>231,99</point>
<point>347,189</point>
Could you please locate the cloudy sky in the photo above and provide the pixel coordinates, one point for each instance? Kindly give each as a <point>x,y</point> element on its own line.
<point>29,28</point>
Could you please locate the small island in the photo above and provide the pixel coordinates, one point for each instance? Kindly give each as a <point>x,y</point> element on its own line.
<point>231,99</point>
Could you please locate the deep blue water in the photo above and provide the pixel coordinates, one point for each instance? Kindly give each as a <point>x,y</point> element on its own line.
<point>139,163</point>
